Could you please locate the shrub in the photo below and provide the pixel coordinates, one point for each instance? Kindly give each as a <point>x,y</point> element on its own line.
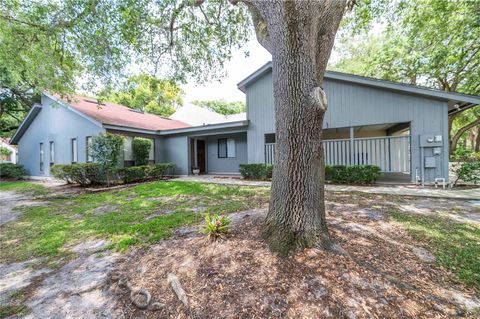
<point>85,174</point>
<point>354,174</point>
<point>105,150</point>
<point>141,150</point>
<point>4,153</point>
<point>160,170</point>
<point>12,171</point>
<point>467,172</point>
<point>134,173</point>
<point>215,226</point>
<point>256,171</point>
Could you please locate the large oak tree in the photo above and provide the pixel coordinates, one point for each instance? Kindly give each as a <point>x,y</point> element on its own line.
<point>182,38</point>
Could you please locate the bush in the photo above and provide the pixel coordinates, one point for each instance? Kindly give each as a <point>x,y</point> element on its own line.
<point>354,174</point>
<point>134,173</point>
<point>144,172</point>
<point>12,171</point>
<point>85,174</point>
<point>215,226</point>
<point>160,170</point>
<point>256,171</point>
<point>468,172</point>
<point>105,149</point>
<point>141,150</point>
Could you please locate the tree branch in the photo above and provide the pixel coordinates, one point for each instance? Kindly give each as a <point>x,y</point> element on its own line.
<point>459,133</point>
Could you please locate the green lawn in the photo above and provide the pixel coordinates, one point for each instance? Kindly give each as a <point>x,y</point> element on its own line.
<point>24,187</point>
<point>137,215</point>
<point>455,245</point>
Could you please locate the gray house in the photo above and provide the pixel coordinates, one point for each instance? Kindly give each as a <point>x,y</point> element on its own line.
<point>401,128</point>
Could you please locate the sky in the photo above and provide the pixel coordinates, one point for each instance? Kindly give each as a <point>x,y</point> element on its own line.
<point>238,68</point>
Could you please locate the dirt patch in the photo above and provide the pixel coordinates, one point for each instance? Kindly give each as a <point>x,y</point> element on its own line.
<point>239,278</point>
<point>10,201</point>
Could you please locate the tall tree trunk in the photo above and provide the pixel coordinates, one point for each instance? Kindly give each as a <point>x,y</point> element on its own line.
<point>299,35</point>
<point>477,142</point>
<point>459,133</point>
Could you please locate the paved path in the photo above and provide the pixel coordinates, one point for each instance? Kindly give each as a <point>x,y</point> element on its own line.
<point>405,190</point>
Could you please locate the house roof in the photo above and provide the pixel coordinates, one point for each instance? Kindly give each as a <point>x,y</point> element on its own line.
<point>456,101</point>
<point>119,115</point>
<point>196,116</point>
<point>110,115</point>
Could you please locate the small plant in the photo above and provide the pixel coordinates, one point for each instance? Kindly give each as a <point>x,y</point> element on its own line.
<point>4,153</point>
<point>216,226</point>
<point>468,172</point>
<point>11,171</point>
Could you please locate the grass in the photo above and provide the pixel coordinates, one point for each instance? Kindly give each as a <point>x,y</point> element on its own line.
<point>138,215</point>
<point>23,187</point>
<point>456,246</point>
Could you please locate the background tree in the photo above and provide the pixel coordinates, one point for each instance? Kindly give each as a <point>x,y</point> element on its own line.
<point>417,46</point>
<point>148,94</point>
<point>222,106</point>
<point>141,150</point>
<point>53,45</point>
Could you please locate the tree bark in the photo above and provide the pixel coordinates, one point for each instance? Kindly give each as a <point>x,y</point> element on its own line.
<point>459,133</point>
<point>299,35</point>
<point>477,141</point>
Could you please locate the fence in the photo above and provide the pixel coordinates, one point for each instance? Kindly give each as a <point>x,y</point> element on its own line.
<point>390,153</point>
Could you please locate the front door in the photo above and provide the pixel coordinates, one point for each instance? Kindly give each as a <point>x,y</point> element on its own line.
<point>201,155</point>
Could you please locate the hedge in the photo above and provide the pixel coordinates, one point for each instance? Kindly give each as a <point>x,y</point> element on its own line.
<point>355,174</point>
<point>256,171</point>
<point>85,174</point>
<point>12,171</point>
<point>141,150</point>
<point>145,172</point>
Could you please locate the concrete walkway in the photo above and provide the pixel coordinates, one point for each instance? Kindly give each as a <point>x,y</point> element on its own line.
<point>403,190</point>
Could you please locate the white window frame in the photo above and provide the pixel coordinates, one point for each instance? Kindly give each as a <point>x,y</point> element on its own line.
<point>42,158</point>
<point>88,151</point>
<point>74,150</point>
<point>52,152</point>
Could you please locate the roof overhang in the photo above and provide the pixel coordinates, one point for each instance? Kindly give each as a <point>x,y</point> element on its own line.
<point>32,114</point>
<point>205,129</point>
<point>129,129</point>
<point>455,100</point>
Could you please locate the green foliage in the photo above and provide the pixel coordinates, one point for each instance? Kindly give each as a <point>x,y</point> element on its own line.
<point>455,245</point>
<point>24,187</point>
<point>160,170</point>
<point>145,172</point>
<point>4,152</point>
<point>85,174</point>
<point>48,45</point>
<point>355,174</point>
<point>256,171</point>
<point>222,106</point>
<point>12,171</point>
<point>215,226</point>
<point>141,150</point>
<point>148,94</point>
<point>416,45</point>
<point>105,149</point>
<point>134,173</point>
<point>468,172</point>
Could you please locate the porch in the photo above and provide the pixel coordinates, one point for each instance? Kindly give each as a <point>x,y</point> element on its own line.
<point>386,146</point>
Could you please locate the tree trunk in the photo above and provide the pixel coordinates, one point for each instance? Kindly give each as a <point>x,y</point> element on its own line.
<point>477,142</point>
<point>300,37</point>
<point>459,133</point>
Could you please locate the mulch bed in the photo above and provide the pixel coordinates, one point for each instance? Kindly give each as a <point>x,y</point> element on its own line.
<point>240,278</point>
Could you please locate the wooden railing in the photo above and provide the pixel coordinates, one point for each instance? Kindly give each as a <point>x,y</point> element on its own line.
<point>390,153</point>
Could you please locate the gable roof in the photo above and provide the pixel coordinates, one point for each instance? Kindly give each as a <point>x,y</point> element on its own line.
<point>106,114</point>
<point>118,115</point>
<point>455,100</point>
<point>196,116</point>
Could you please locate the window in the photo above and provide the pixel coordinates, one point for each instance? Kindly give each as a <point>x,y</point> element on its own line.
<point>88,148</point>
<point>52,153</point>
<point>270,138</point>
<point>42,157</point>
<point>226,148</point>
<point>74,150</point>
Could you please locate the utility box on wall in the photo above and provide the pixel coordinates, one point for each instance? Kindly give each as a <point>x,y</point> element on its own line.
<point>428,140</point>
<point>430,162</point>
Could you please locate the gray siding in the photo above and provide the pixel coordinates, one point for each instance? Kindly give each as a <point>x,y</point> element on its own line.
<point>174,149</point>
<point>217,165</point>
<point>58,124</point>
<point>355,105</point>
